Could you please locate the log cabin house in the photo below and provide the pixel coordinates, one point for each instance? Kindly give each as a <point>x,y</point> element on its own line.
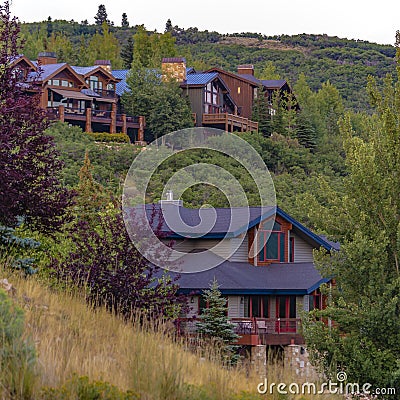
<point>266,289</point>
<point>82,96</point>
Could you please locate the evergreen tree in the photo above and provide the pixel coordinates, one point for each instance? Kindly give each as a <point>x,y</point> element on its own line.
<point>30,185</point>
<point>305,132</point>
<point>124,22</point>
<point>261,112</point>
<point>49,27</point>
<point>101,16</point>
<point>215,324</point>
<point>127,53</point>
<point>168,26</point>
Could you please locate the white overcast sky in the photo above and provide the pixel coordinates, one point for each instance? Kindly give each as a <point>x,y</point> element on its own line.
<point>372,20</point>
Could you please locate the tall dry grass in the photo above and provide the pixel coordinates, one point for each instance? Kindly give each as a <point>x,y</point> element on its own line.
<point>72,339</point>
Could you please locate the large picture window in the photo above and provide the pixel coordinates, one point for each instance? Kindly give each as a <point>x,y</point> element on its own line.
<point>256,307</point>
<point>274,248</point>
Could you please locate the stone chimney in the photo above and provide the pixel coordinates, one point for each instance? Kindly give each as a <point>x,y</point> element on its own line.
<point>174,67</point>
<point>105,64</point>
<point>246,69</point>
<point>47,57</point>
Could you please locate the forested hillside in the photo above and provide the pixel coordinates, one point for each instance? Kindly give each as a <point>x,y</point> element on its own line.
<point>321,58</point>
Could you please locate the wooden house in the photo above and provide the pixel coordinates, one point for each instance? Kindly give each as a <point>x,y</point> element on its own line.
<point>264,268</point>
<point>83,96</point>
<point>210,97</point>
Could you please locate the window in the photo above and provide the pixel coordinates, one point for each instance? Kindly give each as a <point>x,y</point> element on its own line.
<point>291,250</point>
<point>272,249</point>
<point>314,301</point>
<point>256,306</point>
<point>211,98</point>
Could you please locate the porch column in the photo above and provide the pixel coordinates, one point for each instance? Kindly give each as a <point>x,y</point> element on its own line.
<point>88,125</point>
<point>141,129</point>
<point>113,125</point>
<point>61,113</point>
<point>124,127</point>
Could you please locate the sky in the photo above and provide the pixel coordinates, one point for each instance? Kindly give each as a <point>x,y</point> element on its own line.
<point>374,21</point>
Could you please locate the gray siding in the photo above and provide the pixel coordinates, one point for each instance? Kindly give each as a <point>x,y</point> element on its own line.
<point>303,252</point>
<point>241,254</point>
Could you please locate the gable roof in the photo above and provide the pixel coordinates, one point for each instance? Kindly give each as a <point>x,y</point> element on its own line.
<point>20,57</point>
<point>233,75</point>
<point>87,71</point>
<point>224,222</point>
<point>48,71</point>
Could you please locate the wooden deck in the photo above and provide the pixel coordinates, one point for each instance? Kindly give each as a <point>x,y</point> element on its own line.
<point>230,122</point>
<point>255,331</point>
<point>89,116</point>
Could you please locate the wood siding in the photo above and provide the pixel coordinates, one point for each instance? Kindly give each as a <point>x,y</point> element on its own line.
<point>244,99</point>
<point>196,98</point>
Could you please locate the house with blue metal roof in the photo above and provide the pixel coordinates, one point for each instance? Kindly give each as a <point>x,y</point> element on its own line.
<point>86,96</point>
<point>262,259</point>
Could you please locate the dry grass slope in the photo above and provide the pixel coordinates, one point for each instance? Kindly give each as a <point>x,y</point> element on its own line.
<point>73,340</point>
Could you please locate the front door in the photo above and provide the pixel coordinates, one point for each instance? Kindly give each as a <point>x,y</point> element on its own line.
<point>286,313</point>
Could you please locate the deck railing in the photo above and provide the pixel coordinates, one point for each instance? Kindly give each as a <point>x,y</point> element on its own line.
<point>230,120</point>
<point>247,326</point>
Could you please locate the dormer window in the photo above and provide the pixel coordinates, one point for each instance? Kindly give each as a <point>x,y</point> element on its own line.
<point>274,248</point>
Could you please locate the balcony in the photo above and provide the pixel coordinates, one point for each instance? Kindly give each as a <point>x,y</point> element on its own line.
<point>254,331</point>
<point>230,122</point>
<point>89,116</point>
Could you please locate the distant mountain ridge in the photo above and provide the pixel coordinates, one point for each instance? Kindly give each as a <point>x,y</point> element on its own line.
<point>345,63</point>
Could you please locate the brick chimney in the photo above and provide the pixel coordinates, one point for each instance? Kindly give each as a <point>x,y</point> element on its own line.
<point>47,57</point>
<point>246,69</point>
<point>105,64</point>
<point>174,67</point>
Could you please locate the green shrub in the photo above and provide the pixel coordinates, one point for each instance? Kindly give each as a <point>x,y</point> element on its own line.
<point>109,137</point>
<point>17,355</point>
<point>83,389</point>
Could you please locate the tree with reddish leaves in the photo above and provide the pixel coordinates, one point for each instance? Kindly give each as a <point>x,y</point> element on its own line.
<point>105,263</point>
<point>30,185</point>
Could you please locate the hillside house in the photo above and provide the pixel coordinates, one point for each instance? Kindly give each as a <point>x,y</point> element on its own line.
<point>267,283</point>
<point>245,87</point>
<point>83,96</point>
<point>210,97</point>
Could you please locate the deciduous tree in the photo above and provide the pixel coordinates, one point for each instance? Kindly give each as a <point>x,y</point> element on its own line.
<point>30,186</point>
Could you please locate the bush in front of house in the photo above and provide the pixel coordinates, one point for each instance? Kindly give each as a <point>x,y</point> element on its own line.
<point>109,137</point>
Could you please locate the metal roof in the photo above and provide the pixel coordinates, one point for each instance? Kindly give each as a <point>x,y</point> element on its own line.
<point>200,78</point>
<point>121,87</point>
<point>84,70</point>
<point>46,70</point>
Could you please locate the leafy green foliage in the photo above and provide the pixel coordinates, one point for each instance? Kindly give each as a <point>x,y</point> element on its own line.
<point>110,162</point>
<point>366,305</point>
<point>109,137</point>
<point>161,102</point>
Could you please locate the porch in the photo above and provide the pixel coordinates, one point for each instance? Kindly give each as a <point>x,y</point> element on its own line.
<point>229,122</point>
<point>255,331</point>
<point>89,116</point>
